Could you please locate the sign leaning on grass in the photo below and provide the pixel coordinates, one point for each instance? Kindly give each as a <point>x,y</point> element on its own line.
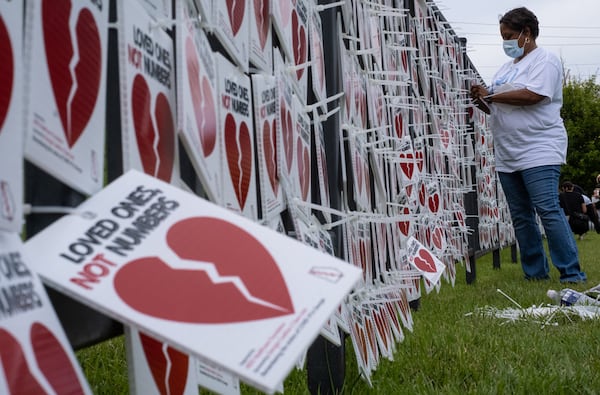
<point>35,355</point>
<point>206,280</point>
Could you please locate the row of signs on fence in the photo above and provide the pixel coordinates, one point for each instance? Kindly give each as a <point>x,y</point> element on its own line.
<point>122,234</point>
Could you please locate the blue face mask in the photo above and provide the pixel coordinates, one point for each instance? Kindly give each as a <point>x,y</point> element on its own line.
<point>512,49</point>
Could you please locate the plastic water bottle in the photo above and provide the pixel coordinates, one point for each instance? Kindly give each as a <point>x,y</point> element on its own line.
<point>570,297</point>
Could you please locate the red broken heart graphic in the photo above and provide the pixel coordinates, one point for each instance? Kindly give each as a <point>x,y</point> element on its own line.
<point>236,10</point>
<point>407,164</point>
<point>422,194</point>
<point>158,161</point>
<point>270,150</point>
<point>261,13</point>
<point>299,43</point>
<point>405,61</point>
<point>6,72</point>
<point>287,131</point>
<point>168,371</point>
<point>434,202</point>
<point>419,159</point>
<point>202,100</point>
<point>399,125</point>
<point>238,149</point>
<point>404,226</point>
<point>16,370</point>
<point>75,89</point>
<point>303,167</point>
<point>361,343</point>
<point>151,287</point>
<point>438,238</point>
<point>51,358</point>
<point>53,361</point>
<point>425,262</point>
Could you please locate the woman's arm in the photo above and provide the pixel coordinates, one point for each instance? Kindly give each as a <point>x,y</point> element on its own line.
<point>518,97</point>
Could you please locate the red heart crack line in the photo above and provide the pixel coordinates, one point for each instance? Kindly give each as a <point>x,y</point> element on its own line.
<point>261,13</point>
<point>303,167</point>
<point>74,67</point>
<point>299,43</point>
<point>270,152</point>
<point>434,202</point>
<point>7,68</point>
<point>236,10</point>
<point>425,262</point>
<point>238,149</point>
<point>202,100</point>
<point>218,284</point>
<point>51,359</point>
<point>168,366</point>
<point>407,164</point>
<point>287,132</point>
<point>155,135</point>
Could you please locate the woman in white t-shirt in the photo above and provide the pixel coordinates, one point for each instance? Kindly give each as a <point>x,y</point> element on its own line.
<point>530,142</point>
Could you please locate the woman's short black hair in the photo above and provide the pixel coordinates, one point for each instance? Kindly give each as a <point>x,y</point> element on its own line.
<point>519,18</point>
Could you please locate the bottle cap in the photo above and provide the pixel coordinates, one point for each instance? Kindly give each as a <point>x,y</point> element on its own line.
<point>552,294</point>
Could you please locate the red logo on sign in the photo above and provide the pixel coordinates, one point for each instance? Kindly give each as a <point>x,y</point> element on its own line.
<point>202,100</point>
<point>235,10</point>
<point>261,13</point>
<point>303,168</point>
<point>299,43</point>
<point>287,131</point>
<point>425,262</point>
<point>51,358</point>
<point>169,367</point>
<point>245,285</point>
<point>75,86</point>
<point>155,133</point>
<point>238,148</point>
<point>270,150</point>
<point>6,72</point>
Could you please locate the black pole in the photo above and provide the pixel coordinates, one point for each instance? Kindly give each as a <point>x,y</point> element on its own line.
<point>325,362</point>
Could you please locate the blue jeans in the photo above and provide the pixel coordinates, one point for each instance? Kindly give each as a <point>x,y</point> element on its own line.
<point>536,190</point>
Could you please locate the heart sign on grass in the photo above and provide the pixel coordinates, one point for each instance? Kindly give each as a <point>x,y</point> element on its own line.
<point>154,130</point>
<point>245,280</point>
<point>6,72</point>
<point>74,58</point>
<point>424,261</point>
<point>202,100</point>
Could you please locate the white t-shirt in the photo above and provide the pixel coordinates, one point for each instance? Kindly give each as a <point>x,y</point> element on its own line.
<point>529,136</point>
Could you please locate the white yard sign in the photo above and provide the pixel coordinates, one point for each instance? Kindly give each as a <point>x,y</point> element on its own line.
<point>66,113</point>
<point>35,355</point>
<point>202,278</point>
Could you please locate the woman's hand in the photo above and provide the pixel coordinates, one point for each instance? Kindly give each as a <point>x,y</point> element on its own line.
<point>478,92</point>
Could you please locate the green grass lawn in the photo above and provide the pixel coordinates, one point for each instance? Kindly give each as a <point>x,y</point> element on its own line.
<point>451,351</point>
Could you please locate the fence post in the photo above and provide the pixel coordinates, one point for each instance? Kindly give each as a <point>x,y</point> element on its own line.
<point>326,362</point>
